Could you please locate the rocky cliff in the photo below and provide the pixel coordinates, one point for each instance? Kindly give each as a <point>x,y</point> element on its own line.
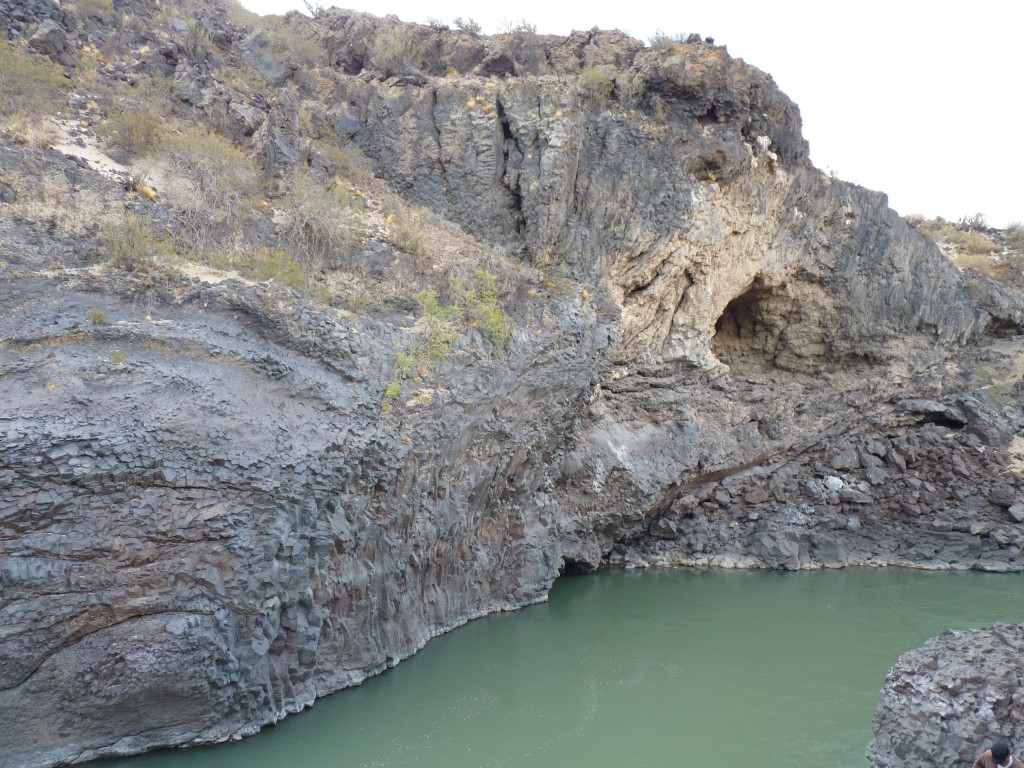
<point>224,497</point>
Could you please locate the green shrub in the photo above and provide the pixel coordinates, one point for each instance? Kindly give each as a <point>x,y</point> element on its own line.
<point>117,357</point>
<point>133,244</point>
<point>596,85</point>
<point>396,50</point>
<point>29,83</point>
<point>473,306</point>
<point>480,308</point>
<point>440,332</point>
<point>468,25</point>
<point>136,131</point>
<point>276,265</point>
<point>97,317</point>
<point>391,393</point>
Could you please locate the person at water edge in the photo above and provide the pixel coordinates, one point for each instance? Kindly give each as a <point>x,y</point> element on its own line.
<point>998,757</point>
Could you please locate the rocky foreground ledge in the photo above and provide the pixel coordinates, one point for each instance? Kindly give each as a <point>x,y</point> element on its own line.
<point>946,702</point>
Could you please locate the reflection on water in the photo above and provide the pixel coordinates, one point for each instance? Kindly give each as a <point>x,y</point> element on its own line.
<point>640,669</point>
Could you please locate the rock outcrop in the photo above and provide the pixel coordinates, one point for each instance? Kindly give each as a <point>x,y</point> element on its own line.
<point>948,701</point>
<point>211,515</point>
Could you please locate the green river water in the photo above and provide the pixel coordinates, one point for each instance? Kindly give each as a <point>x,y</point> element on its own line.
<point>659,668</point>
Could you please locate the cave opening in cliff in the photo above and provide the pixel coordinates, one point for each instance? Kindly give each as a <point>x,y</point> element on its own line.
<point>1003,328</point>
<point>747,333</point>
<point>572,567</point>
<point>947,420</point>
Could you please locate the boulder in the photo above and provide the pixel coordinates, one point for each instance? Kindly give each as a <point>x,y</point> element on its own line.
<point>946,702</point>
<point>50,39</point>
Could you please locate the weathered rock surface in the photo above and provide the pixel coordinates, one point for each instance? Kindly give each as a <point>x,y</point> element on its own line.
<point>211,533</point>
<point>946,702</point>
<point>207,520</point>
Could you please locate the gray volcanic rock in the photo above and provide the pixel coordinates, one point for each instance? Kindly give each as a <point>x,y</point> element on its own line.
<point>210,515</point>
<point>195,536</point>
<point>49,39</point>
<point>946,702</point>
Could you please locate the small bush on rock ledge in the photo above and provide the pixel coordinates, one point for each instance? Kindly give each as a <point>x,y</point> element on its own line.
<point>135,131</point>
<point>133,244</point>
<point>392,53</point>
<point>319,223</point>
<point>596,85</point>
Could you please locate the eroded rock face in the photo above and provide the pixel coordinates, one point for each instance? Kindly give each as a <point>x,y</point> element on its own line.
<point>948,701</point>
<point>210,533</point>
<point>684,219</point>
<point>743,364</point>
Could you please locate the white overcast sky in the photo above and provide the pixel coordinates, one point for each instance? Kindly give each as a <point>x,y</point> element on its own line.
<point>922,100</point>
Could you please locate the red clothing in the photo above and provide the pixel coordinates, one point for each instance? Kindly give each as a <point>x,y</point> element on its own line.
<point>986,761</point>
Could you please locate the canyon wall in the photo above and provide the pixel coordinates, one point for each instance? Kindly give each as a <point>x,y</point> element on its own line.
<point>730,360</point>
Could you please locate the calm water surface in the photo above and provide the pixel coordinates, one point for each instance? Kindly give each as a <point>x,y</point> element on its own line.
<point>669,668</point>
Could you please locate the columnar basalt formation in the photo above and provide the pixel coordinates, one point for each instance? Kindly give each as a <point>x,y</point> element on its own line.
<point>730,359</point>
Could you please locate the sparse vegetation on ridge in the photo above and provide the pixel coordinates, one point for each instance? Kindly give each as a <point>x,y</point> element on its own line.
<point>200,193</point>
<point>661,39</point>
<point>974,246</point>
<point>29,83</point>
<point>468,24</point>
